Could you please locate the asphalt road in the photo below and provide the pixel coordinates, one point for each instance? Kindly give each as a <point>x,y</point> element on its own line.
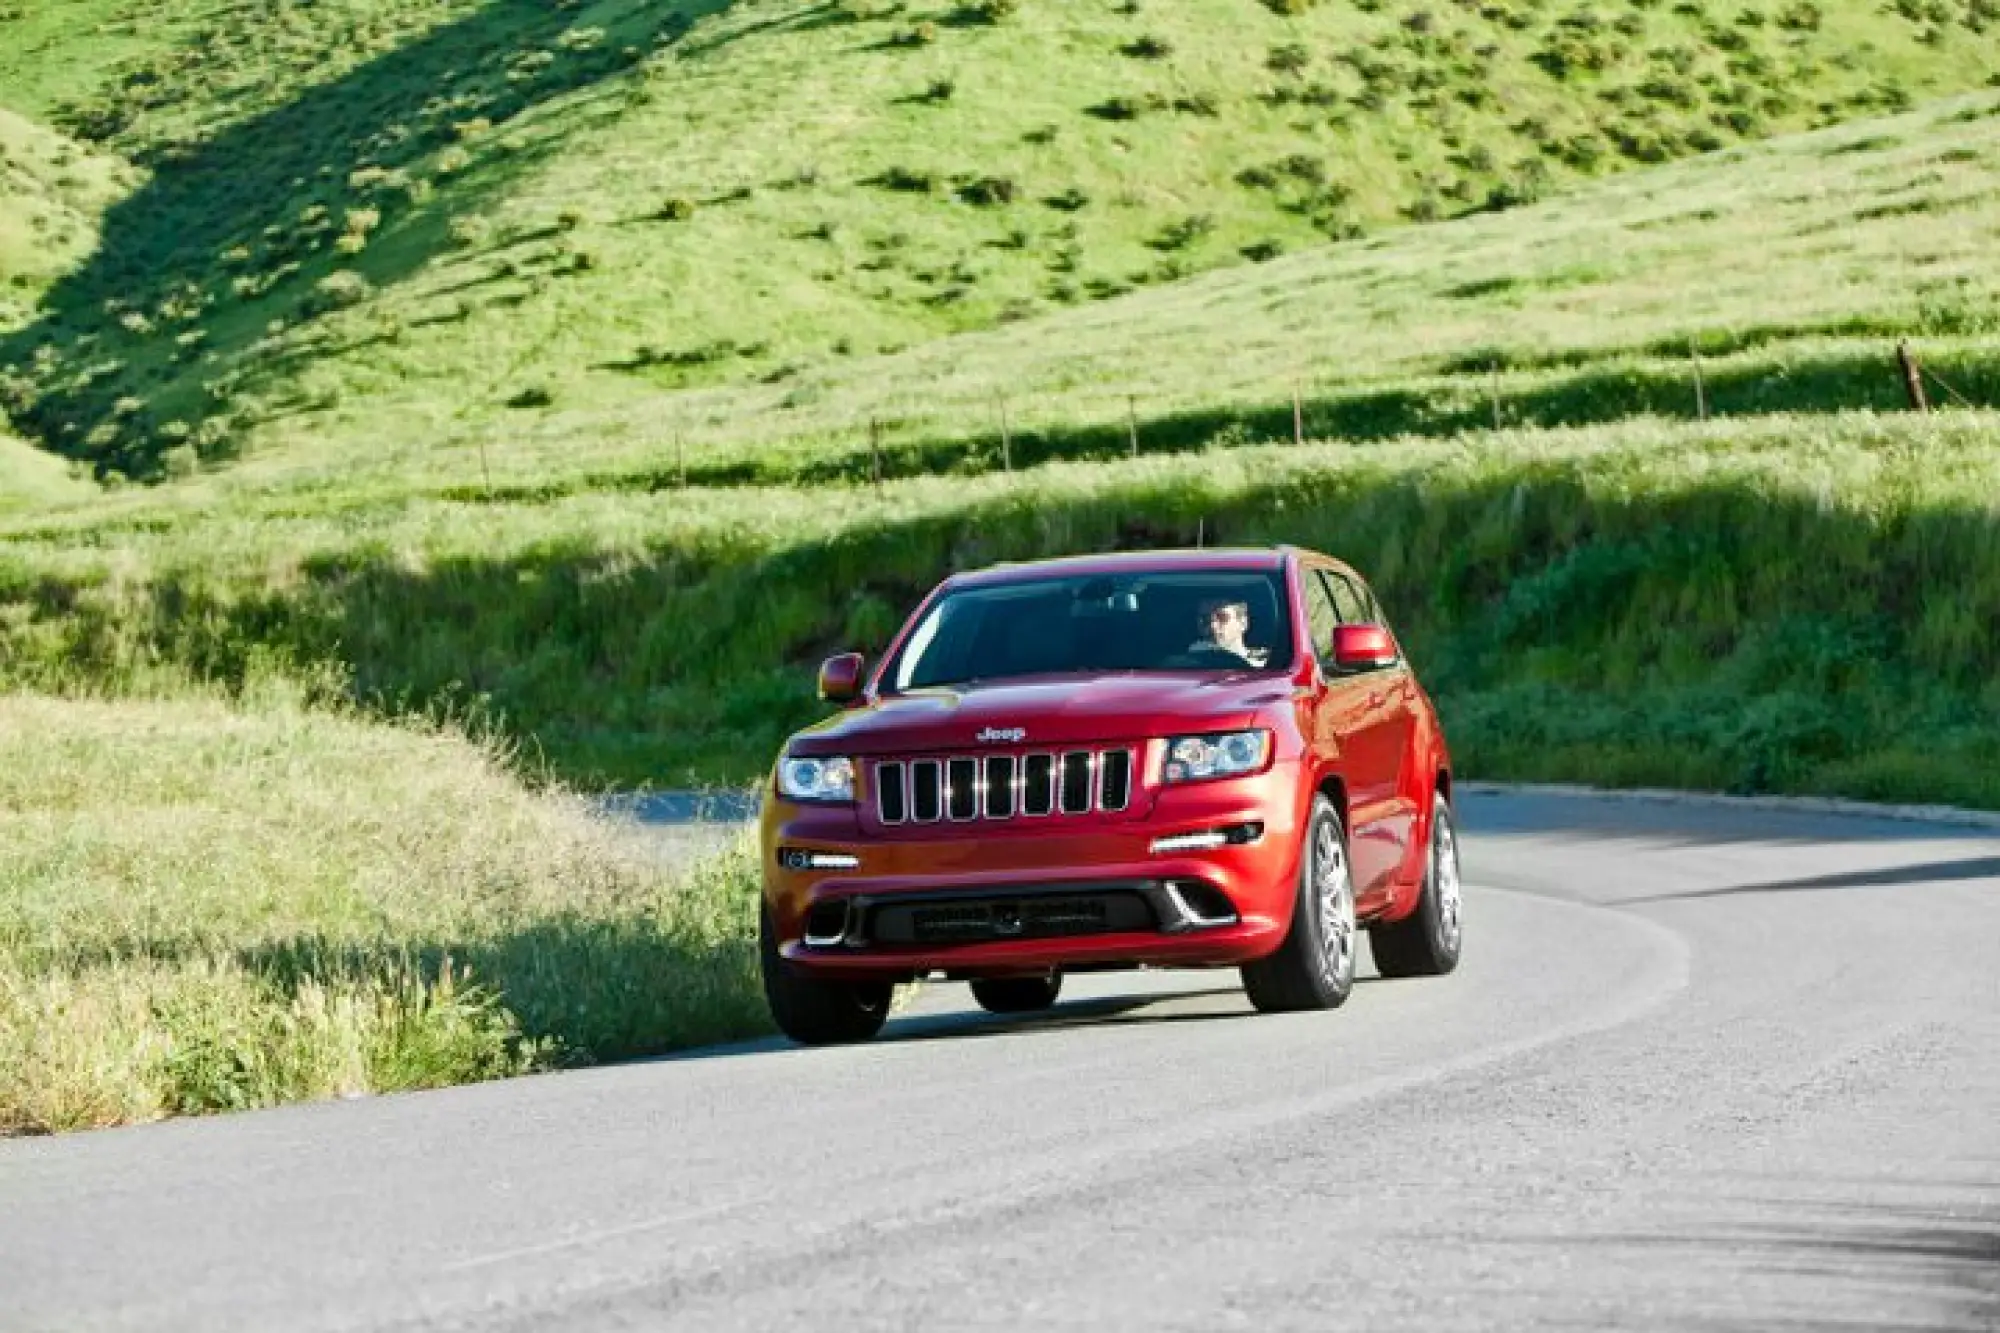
<point>1701,1069</point>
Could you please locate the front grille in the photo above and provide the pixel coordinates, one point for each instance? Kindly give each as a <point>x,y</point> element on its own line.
<point>965,788</point>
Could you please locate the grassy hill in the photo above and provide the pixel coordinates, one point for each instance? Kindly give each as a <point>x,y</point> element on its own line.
<point>369,221</point>
<point>1603,587</point>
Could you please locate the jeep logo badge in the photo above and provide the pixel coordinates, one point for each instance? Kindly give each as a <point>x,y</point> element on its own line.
<point>1012,735</point>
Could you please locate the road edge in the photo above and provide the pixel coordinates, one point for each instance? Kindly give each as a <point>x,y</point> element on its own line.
<point>1823,805</point>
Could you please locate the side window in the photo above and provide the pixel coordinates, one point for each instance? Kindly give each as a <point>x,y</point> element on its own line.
<point>1346,600</point>
<point>1321,617</point>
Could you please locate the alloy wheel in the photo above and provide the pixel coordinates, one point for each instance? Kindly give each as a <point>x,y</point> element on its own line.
<point>1444,879</point>
<point>1334,889</point>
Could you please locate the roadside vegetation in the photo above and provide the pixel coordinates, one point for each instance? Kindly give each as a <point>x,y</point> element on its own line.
<point>1783,603</point>
<point>210,908</point>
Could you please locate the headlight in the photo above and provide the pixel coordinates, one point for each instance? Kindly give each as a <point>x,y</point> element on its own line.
<point>816,779</point>
<point>1192,758</point>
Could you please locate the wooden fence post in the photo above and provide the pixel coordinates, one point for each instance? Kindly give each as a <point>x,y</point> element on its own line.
<point>1006,440</point>
<point>1132,422</point>
<point>1298,416</point>
<point>875,453</point>
<point>681,459</point>
<point>1913,377</point>
<point>1700,389</point>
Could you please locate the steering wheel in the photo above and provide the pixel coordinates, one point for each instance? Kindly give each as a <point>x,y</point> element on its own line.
<point>1213,656</point>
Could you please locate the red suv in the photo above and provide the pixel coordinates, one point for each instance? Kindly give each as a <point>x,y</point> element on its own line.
<point>1186,759</point>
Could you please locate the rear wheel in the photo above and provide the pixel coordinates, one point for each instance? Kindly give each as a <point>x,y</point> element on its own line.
<point>1017,995</point>
<point>1314,967</point>
<point>816,1012</point>
<point>1426,942</point>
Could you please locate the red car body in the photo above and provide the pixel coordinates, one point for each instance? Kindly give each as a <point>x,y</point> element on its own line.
<point>960,850</point>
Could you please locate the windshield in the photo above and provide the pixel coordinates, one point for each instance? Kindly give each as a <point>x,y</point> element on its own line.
<point>1182,620</point>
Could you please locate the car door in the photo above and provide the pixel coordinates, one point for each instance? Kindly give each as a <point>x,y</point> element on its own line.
<point>1392,723</point>
<point>1349,737</point>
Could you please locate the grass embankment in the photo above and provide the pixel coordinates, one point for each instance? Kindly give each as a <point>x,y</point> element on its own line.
<point>207,908</point>
<point>356,211</point>
<point>1785,604</point>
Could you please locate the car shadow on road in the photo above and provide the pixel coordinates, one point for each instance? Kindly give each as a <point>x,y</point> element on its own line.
<point>1109,1011</point>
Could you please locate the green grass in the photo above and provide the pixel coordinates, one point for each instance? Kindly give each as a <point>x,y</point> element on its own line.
<point>600,201</point>
<point>1788,603</point>
<point>208,907</point>
<point>1790,267</point>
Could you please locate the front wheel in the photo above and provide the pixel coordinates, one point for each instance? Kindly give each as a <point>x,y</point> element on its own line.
<point>1426,942</point>
<point>1314,967</point>
<point>816,1012</point>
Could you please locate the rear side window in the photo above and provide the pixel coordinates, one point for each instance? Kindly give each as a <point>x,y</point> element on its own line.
<point>1347,600</point>
<point>1321,615</point>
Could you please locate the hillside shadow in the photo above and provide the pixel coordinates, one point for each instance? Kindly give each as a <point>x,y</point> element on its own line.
<point>263,202</point>
<point>1861,380</point>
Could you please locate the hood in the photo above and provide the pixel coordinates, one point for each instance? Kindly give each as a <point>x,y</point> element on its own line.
<point>1050,710</point>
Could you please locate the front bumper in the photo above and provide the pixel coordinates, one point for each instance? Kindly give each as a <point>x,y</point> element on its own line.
<point>1015,896</point>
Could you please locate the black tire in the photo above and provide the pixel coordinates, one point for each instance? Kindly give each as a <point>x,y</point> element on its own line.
<point>1426,943</point>
<point>1017,995</point>
<point>814,1012</point>
<point>1314,967</point>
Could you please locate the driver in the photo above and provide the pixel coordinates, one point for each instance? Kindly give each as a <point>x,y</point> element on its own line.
<point>1224,623</point>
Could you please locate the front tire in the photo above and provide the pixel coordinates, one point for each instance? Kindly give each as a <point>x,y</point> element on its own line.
<point>1017,995</point>
<point>1426,942</point>
<point>1314,967</point>
<point>816,1012</point>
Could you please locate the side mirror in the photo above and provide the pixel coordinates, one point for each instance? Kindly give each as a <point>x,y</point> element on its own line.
<point>1362,648</point>
<point>840,677</point>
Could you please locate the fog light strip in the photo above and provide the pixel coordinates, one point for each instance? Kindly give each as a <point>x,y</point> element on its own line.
<point>1191,842</point>
<point>833,861</point>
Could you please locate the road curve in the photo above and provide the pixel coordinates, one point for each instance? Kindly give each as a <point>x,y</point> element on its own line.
<point>1702,1068</point>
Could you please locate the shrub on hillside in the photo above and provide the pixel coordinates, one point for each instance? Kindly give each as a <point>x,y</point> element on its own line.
<point>1147,48</point>
<point>468,231</point>
<point>906,180</point>
<point>1291,58</point>
<point>989,11</point>
<point>340,290</point>
<point>989,190</point>
<point>1128,108</point>
<point>1186,231</point>
<point>677,209</point>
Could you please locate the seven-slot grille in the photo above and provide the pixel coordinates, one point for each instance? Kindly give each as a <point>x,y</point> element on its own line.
<point>961,788</point>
